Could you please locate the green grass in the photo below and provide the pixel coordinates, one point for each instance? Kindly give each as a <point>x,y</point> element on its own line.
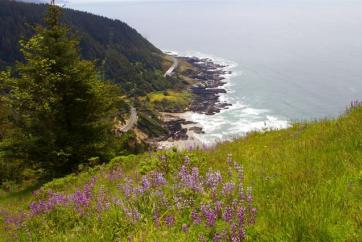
<point>175,101</point>
<point>307,184</point>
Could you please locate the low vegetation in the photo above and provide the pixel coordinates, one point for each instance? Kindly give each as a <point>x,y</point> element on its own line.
<point>303,183</point>
<point>170,101</point>
<point>306,186</point>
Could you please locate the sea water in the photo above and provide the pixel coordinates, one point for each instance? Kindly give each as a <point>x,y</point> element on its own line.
<point>292,60</point>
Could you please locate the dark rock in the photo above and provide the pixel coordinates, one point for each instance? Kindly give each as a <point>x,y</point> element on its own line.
<point>197,130</point>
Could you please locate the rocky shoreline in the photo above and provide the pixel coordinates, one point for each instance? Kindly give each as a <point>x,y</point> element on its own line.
<point>209,78</point>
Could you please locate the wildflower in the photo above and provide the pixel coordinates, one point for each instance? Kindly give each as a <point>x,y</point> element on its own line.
<point>191,180</point>
<point>213,179</point>
<point>209,214</point>
<point>228,188</point>
<point>170,220</point>
<point>252,216</point>
<point>146,184</point>
<point>240,213</point>
<point>185,228</point>
<point>240,170</point>
<point>217,237</point>
<point>249,196</point>
<point>241,192</point>
<point>195,217</point>
<point>234,233</point>
<point>228,214</point>
<point>158,179</point>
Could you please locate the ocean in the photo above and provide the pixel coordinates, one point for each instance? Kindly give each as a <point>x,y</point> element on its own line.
<point>292,60</point>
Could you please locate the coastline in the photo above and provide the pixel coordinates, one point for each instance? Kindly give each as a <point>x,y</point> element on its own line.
<point>209,80</point>
<point>191,141</point>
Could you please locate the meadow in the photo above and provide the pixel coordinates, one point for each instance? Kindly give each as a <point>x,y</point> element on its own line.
<point>303,183</point>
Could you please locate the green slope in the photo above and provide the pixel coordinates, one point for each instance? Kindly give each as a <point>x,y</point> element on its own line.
<point>306,180</point>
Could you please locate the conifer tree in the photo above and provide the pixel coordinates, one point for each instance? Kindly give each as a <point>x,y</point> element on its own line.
<point>61,112</point>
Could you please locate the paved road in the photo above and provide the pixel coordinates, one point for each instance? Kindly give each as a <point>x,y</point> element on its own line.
<point>133,118</point>
<point>172,68</point>
<point>131,122</point>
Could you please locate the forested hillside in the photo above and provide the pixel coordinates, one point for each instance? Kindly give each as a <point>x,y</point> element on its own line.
<point>120,52</point>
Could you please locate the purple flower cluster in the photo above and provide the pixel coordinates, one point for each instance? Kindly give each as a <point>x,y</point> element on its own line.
<point>190,178</point>
<point>213,179</point>
<point>186,200</point>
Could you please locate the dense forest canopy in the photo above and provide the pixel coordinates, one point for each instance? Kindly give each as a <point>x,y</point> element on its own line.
<point>60,113</point>
<point>120,52</point>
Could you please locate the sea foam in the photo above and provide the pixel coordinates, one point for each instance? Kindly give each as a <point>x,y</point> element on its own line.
<point>237,120</point>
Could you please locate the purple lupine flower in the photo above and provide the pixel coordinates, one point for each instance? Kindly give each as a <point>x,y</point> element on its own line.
<point>209,214</point>
<point>217,237</point>
<point>183,174</point>
<point>139,191</point>
<point>185,228</point>
<point>241,233</point>
<point>241,213</point>
<point>234,233</point>
<point>158,179</point>
<point>227,214</point>
<point>14,221</point>
<point>146,184</point>
<point>250,197</point>
<point>190,180</point>
<point>252,216</point>
<point>241,192</point>
<point>79,198</point>
<point>195,217</point>
<point>170,220</point>
<point>195,180</point>
<point>228,188</point>
<point>133,214</point>
<point>213,179</point>
<point>240,170</point>
<point>35,208</point>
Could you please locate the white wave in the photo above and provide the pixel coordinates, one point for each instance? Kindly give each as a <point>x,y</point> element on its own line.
<point>238,119</point>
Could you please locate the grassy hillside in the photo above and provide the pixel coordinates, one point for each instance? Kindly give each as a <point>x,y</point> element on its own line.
<point>306,186</point>
<point>120,52</point>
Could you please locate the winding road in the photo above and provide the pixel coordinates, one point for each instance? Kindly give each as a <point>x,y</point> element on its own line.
<point>172,68</point>
<point>132,121</point>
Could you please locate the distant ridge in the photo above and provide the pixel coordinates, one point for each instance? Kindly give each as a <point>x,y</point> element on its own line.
<point>120,52</point>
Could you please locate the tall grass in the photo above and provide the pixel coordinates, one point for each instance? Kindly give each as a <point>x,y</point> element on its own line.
<point>306,180</point>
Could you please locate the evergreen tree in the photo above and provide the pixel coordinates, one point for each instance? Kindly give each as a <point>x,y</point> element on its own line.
<point>61,112</point>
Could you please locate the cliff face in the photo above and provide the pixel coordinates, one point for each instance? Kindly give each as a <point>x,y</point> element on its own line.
<point>121,53</point>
